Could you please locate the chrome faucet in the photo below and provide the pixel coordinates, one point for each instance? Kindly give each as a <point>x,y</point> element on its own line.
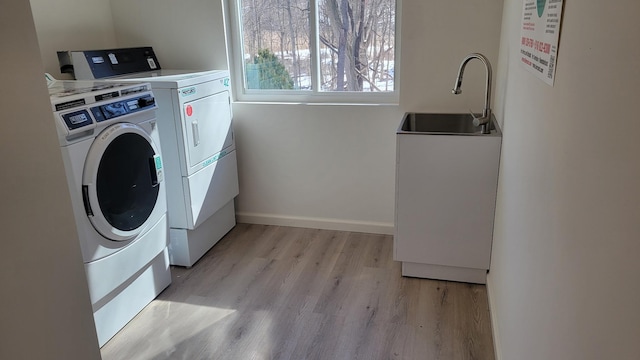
<point>485,120</point>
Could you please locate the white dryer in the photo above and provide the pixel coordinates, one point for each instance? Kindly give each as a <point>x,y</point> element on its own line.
<point>196,133</point>
<point>110,147</point>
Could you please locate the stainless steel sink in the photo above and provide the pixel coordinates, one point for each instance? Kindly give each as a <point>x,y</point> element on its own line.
<point>444,124</point>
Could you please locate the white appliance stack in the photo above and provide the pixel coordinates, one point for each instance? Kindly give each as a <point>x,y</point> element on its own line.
<point>196,134</point>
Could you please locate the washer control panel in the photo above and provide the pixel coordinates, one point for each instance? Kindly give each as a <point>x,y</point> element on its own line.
<point>109,111</point>
<point>119,108</point>
<point>82,108</point>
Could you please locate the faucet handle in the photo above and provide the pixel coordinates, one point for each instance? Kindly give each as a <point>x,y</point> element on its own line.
<point>480,120</point>
<point>476,121</point>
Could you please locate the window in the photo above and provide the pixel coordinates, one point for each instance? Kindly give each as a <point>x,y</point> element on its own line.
<point>314,50</point>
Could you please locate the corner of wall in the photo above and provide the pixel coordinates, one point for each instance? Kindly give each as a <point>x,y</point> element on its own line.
<point>497,348</point>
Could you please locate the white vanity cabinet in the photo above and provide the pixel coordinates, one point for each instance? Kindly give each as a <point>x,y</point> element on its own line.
<point>446,186</point>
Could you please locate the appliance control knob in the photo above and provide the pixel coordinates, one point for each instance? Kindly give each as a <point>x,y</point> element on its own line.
<point>146,101</point>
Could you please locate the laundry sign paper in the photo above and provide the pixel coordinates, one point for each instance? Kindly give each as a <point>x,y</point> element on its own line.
<point>540,33</point>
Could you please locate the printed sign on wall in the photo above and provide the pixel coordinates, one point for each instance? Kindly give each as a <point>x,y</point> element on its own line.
<point>539,37</point>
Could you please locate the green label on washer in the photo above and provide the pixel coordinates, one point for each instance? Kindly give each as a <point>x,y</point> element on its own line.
<point>158,162</point>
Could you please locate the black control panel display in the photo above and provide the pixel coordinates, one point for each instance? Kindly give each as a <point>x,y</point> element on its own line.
<point>77,119</point>
<point>123,107</point>
<point>113,62</point>
<point>113,110</point>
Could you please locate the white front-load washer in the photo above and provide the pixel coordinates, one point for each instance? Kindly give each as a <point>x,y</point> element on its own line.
<point>111,151</point>
<point>196,132</point>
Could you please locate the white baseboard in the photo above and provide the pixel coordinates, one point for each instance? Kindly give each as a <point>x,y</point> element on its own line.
<point>316,223</point>
<point>494,321</point>
<point>443,272</point>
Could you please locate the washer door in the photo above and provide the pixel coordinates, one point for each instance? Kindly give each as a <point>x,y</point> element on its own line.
<point>121,181</point>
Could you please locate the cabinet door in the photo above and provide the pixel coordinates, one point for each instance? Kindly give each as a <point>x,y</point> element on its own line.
<point>445,199</point>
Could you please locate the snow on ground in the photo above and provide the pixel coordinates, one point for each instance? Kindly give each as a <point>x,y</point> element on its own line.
<point>304,80</point>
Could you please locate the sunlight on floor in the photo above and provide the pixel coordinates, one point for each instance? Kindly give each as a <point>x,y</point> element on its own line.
<point>193,318</point>
<point>174,323</point>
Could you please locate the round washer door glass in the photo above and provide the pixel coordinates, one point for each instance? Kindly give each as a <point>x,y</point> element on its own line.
<point>121,181</point>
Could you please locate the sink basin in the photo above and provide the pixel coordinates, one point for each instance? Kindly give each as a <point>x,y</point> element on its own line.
<point>445,124</point>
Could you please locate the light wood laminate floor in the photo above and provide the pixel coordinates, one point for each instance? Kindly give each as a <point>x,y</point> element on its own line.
<point>271,292</point>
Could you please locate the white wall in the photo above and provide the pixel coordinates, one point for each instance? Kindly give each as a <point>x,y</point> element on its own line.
<point>564,275</point>
<point>45,311</point>
<point>186,34</point>
<point>71,25</point>
<point>317,166</point>
<point>436,36</point>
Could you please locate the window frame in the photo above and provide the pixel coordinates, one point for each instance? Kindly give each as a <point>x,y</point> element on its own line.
<point>235,60</point>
